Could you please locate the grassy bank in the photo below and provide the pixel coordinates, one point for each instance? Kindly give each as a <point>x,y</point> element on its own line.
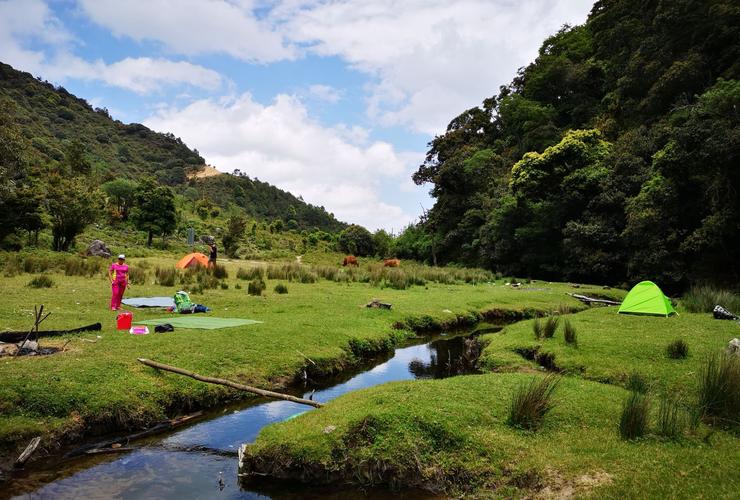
<point>99,386</point>
<point>452,435</point>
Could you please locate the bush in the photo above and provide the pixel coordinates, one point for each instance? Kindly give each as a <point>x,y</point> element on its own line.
<point>678,349</point>
<point>237,286</point>
<point>636,382</point>
<point>281,288</point>
<point>256,287</point>
<point>635,416</point>
<point>570,334</point>
<point>719,389</point>
<point>251,273</point>
<point>551,326</point>
<point>165,276</point>
<point>224,285</point>
<point>42,281</point>
<point>531,402</point>
<point>670,420</point>
<point>537,328</point>
<point>702,299</point>
<point>219,272</point>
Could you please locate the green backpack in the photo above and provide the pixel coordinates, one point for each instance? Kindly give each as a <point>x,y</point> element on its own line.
<point>182,301</point>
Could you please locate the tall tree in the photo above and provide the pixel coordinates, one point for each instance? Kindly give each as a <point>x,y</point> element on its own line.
<point>154,210</point>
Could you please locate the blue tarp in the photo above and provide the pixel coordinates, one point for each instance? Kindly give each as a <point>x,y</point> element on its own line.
<point>163,302</point>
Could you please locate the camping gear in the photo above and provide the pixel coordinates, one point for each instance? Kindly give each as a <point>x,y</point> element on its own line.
<point>163,302</point>
<point>192,260</point>
<point>123,320</point>
<point>166,327</point>
<point>200,322</point>
<point>722,313</point>
<point>647,298</point>
<point>139,330</point>
<point>182,302</point>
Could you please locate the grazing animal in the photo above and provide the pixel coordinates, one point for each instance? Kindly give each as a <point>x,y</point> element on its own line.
<point>391,263</point>
<point>350,260</point>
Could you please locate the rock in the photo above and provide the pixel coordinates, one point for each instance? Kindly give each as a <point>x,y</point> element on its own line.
<point>29,345</point>
<point>733,346</point>
<point>7,349</point>
<point>98,249</point>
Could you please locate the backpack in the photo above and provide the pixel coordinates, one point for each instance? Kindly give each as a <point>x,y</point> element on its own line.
<point>182,302</point>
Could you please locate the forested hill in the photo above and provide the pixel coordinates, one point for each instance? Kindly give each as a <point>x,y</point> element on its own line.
<point>54,124</point>
<point>613,157</point>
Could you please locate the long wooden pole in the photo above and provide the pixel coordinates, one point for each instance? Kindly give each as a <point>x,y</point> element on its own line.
<point>229,383</point>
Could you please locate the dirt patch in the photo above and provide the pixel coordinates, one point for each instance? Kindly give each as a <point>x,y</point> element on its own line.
<point>205,171</point>
<point>577,487</point>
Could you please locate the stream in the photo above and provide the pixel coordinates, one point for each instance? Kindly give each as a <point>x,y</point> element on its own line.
<point>200,461</point>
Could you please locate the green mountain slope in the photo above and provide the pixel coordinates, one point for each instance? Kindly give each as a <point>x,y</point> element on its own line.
<point>613,157</point>
<point>50,119</point>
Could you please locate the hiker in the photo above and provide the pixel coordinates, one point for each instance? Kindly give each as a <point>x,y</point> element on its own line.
<point>118,275</point>
<point>212,255</point>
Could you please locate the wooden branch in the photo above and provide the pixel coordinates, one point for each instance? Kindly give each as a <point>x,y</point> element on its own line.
<point>229,383</point>
<point>23,458</point>
<point>161,427</point>
<point>591,300</point>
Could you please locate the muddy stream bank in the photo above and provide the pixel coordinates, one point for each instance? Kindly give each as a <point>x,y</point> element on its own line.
<point>200,460</point>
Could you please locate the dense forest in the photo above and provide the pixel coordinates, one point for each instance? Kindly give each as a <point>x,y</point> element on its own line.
<point>51,141</point>
<point>613,157</point>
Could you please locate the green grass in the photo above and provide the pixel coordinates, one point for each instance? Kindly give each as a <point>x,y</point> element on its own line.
<point>101,384</point>
<point>452,434</point>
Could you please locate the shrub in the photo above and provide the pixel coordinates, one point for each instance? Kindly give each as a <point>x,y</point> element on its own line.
<point>42,281</point>
<point>165,276</point>
<point>635,416</point>
<point>537,328</point>
<point>570,334</point>
<point>224,285</point>
<point>678,349</point>
<point>256,287</point>
<point>702,299</point>
<point>551,326</point>
<point>670,422</point>
<point>251,273</point>
<point>719,388</point>
<point>219,272</point>
<point>636,382</point>
<point>531,402</point>
<point>281,288</point>
<point>238,286</point>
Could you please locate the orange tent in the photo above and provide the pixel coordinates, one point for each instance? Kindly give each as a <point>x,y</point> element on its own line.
<point>192,260</point>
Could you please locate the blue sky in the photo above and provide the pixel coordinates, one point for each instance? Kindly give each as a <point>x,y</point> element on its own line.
<point>332,100</point>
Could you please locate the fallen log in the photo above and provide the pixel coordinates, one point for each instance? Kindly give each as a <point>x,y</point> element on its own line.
<point>23,458</point>
<point>19,336</point>
<point>229,383</point>
<point>108,444</point>
<point>590,300</point>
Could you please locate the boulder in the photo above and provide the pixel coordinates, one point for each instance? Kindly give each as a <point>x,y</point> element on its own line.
<point>98,249</point>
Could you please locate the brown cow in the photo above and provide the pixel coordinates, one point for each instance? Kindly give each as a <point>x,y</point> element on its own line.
<point>350,260</point>
<point>391,263</point>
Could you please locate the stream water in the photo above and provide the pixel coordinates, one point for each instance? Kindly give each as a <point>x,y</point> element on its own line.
<point>200,461</point>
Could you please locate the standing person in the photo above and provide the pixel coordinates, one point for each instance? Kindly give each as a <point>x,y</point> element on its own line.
<point>118,275</point>
<point>212,256</point>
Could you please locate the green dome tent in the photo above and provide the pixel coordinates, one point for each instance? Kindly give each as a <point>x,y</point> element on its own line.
<point>646,298</point>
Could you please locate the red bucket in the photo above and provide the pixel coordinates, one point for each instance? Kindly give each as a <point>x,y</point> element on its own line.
<point>123,320</point>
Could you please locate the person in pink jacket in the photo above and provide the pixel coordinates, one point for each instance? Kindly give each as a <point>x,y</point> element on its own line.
<point>118,274</point>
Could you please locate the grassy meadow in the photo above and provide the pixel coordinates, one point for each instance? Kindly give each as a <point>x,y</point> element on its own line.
<point>99,386</point>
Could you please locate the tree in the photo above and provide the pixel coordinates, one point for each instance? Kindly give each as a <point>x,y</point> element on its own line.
<point>75,159</point>
<point>121,192</point>
<point>383,243</point>
<point>356,240</point>
<point>235,229</point>
<point>154,210</point>
<point>72,205</point>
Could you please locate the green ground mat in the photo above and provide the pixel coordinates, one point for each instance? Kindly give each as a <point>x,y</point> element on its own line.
<point>199,322</point>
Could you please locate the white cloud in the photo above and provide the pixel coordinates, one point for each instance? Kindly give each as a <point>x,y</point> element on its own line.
<point>192,27</point>
<point>281,144</point>
<point>431,58</point>
<point>325,93</point>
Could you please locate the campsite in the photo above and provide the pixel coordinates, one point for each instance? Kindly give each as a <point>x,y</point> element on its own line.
<point>368,249</point>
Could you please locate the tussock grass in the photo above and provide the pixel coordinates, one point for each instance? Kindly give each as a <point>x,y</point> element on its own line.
<point>137,275</point>
<point>551,326</point>
<point>537,328</point>
<point>281,288</point>
<point>531,402</point>
<point>637,382</point>
<point>671,420</point>
<point>165,276</point>
<point>635,418</point>
<point>678,349</point>
<point>570,334</point>
<point>251,273</point>
<point>702,299</point>
<point>219,272</point>
<point>42,281</point>
<point>256,287</point>
<point>719,389</point>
